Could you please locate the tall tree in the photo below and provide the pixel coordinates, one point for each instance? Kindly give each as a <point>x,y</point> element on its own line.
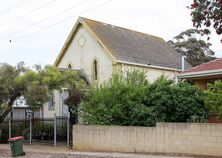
<point>35,86</point>
<point>206,14</point>
<point>190,44</point>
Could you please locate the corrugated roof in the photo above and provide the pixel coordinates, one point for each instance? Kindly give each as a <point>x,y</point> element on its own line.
<point>136,47</point>
<point>211,65</point>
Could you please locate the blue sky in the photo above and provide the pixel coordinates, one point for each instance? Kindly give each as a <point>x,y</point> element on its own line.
<point>37,39</point>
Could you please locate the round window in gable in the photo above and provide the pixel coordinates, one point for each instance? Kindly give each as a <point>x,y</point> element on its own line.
<point>81,41</point>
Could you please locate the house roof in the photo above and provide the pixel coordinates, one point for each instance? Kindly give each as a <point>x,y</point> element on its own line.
<point>210,68</point>
<point>131,46</point>
<point>211,65</point>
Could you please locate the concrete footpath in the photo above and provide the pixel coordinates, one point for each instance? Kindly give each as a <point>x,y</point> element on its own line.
<point>42,151</point>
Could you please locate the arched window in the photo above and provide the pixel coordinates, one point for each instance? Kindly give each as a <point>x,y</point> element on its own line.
<point>95,70</point>
<point>69,66</point>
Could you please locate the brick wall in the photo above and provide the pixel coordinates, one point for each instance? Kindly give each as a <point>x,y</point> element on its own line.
<point>178,138</point>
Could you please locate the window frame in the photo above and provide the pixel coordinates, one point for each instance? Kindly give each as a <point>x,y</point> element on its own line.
<point>51,103</point>
<point>95,70</point>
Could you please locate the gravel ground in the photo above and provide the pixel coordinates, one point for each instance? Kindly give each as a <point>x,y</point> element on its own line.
<point>40,151</point>
<point>7,154</point>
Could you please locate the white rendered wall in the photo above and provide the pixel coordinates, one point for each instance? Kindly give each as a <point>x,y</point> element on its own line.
<point>81,57</point>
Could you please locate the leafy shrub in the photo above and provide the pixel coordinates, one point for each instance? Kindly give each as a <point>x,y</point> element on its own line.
<point>62,132</point>
<point>130,100</point>
<point>44,131</point>
<point>118,102</point>
<point>40,131</point>
<point>180,102</point>
<point>213,98</point>
<point>17,129</point>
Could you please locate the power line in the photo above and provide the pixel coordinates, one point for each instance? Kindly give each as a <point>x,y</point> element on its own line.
<point>14,7</point>
<point>57,23</point>
<point>64,20</point>
<point>31,11</point>
<point>5,9</point>
<point>41,21</point>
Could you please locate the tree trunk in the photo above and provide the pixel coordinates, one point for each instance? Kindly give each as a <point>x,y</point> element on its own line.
<point>5,114</point>
<point>8,109</point>
<point>2,118</point>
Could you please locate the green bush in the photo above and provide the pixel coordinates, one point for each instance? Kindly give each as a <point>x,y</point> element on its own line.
<point>213,98</point>
<point>180,102</point>
<point>43,131</point>
<point>131,101</point>
<point>62,132</point>
<point>18,128</point>
<point>118,102</point>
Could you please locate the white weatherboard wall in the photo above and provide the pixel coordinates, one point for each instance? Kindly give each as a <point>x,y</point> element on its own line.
<point>176,138</point>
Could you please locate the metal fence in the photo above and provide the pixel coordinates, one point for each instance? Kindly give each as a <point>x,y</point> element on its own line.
<point>49,130</point>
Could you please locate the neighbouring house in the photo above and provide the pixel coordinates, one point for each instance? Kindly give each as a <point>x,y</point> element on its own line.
<point>203,74</point>
<point>21,111</point>
<point>98,50</point>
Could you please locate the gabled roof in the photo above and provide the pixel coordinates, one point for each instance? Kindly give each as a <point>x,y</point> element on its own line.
<point>130,46</point>
<point>210,68</point>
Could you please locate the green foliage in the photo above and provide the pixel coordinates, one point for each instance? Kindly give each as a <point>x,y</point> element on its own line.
<point>18,129</point>
<point>130,100</point>
<point>8,86</point>
<point>206,14</point>
<point>180,102</point>
<point>213,98</point>
<point>76,88</point>
<point>51,77</point>
<point>44,131</point>
<point>195,49</point>
<point>118,102</point>
<point>35,86</point>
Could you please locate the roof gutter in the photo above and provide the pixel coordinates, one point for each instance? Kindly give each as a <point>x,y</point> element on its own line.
<point>148,66</point>
<point>199,74</point>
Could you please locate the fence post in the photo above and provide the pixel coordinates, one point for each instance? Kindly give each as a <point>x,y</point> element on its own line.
<point>10,125</point>
<point>30,128</point>
<point>68,124</point>
<point>55,129</point>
